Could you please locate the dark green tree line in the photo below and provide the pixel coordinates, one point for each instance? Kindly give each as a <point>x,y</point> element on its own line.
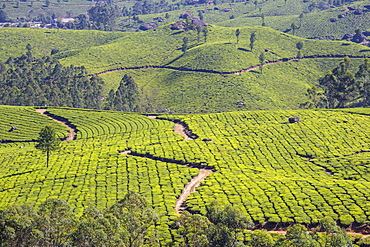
<point>129,222</point>
<point>44,81</point>
<point>341,87</point>
<point>126,98</point>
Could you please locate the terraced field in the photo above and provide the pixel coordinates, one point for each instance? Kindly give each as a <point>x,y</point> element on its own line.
<point>283,172</point>
<point>273,171</point>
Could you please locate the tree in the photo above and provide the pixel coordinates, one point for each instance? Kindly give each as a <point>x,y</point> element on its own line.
<point>298,236</point>
<point>205,33</point>
<point>184,47</point>
<point>293,26</point>
<point>199,29</point>
<point>363,76</point>
<point>136,220</point>
<point>300,19</point>
<point>339,85</point>
<point>3,16</point>
<point>48,142</point>
<point>193,228</point>
<point>231,218</point>
<point>252,39</point>
<point>261,238</point>
<point>127,95</point>
<point>299,46</point>
<point>262,60</point>
<point>237,33</point>
<point>201,16</point>
<point>339,88</point>
<point>56,221</point>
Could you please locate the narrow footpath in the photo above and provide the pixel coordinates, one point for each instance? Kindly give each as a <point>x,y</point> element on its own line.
<point>283,60</point>
<point>204,170</point>
<point>71,129</point>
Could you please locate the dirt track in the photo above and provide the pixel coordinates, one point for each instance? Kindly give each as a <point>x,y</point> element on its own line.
<point>189,188</point>
<point>71,131</point>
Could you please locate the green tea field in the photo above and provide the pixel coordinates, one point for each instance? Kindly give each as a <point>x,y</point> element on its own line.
<point>274,171</point>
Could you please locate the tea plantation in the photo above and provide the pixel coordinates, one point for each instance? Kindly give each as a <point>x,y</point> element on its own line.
<point>272,170</point>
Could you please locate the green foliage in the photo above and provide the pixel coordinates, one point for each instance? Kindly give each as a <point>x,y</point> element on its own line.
<point>342,87</point>
<point>252,39</point>
<point>103,16</point>
<point>261,238</point>
<point>125,223</point>
<point>297,172</point>
<point>166,90</point>
<point>44,81</point>
<point>28,123</point>
<point>229,216</point>
<point>237,34</point>
<point>47,142</point>
<point>126,97</point>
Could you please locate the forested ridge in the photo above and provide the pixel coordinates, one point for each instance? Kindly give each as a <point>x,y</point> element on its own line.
<point>132,222</point>
<point>26,80</point>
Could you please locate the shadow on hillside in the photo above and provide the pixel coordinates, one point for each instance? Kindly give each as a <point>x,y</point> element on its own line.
<point>20,173</point>
<point>365,50</point>
<point>174,60</point>
<point>243,49</point>
<point>254,71</point>
<point>176,33</point>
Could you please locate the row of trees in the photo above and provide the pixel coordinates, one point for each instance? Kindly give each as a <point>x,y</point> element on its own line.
<point>125,98</point>
<point>30,81</point>
<point>342,87</point>
<point>26,80</point>
<point>129,222</point>
<point>132,222</point>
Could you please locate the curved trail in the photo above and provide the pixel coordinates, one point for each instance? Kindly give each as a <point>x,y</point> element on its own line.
<point>189,188</point>
<point>204,170</point>
<point>71,129</point>
<point>226,73</point>
<point>195,181</point>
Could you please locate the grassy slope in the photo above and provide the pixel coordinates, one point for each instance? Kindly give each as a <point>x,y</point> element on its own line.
<point>14,40</point>
<point>279,86</point>
<point>314,24</point>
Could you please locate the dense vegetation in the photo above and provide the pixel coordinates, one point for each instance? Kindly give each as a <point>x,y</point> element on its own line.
<point>290,173</point>
<point>341,87</point>
<point>131,222</point>
<point>27,80</point>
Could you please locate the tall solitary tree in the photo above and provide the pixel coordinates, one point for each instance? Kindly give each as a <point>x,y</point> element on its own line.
<point>184,47</point>
<point>300,19</point>
<point>293,26</point>
<point>252,39</point>
<point>205,32</point>
<point>48,142</point>
<point>299,46</point>
<point>199,29</point>
<point>3,16</point>
<point>262,60</point>
<point>237,33</point>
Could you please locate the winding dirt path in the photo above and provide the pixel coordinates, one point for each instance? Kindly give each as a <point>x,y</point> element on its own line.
<point>283,60</point>
<point>180,204</point>
<point>178,129</point>
<point>71,130</point>
<point>190,188</point>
